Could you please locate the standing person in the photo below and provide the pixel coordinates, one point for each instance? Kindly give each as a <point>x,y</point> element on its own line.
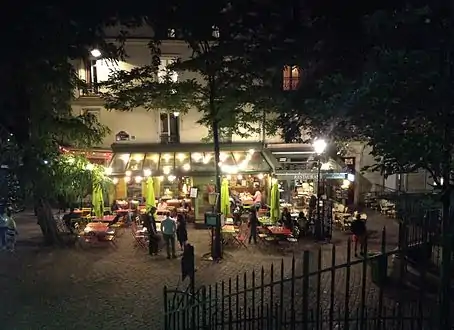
<point>359,231</point>
<point>253,224</point>
<point>169,227</point>
<point>257,199</point>
<point>182,232</point>
<point>11,230</point>
<point>3,227</point>
<point>153,238</point>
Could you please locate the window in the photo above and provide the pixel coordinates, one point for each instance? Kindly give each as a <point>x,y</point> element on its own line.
<point>91,77</point>
<point>170,127</point>
<point>291,78</point>
<point>164,72</point>
<point>171,33</point>
<point>215,31</point>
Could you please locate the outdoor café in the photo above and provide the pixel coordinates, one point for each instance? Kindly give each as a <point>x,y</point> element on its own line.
<point>183,175</point>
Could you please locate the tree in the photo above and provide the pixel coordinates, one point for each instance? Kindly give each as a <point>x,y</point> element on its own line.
<point>38,84</point>
<point>397,100</point>
<point>221,92</point>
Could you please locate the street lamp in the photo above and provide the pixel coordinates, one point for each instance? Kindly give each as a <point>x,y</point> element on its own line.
<point>319,148</point>
<point>95,53</point>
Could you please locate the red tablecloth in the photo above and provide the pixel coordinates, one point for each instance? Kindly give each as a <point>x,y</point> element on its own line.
<point>96,227</point>
<point>106,218</point>
<point>124,211</point>
<point>279,231</point>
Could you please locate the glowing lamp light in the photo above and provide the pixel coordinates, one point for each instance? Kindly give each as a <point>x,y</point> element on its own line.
<point>206,159</point>
<point>186,167</point>
<point>325,166</point>
<point>196,156</point>
<point>115,180</point>
<point>147,172</point>
<point>127,179</point>
<point>319,146</point>
<point>251,151</point>
<point>260,176</point>
<point>176,113</point>
<point>181,157</point>
<point>239,177</point>
<point>166,170</point>
<point>171,178</point>
<point>95,53</point>
<point>128,173</point>
<point>138,179</point>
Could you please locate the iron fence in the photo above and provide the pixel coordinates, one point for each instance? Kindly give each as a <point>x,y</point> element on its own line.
<point>328,289</point>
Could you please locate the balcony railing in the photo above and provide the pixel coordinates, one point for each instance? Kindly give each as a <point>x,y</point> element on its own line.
<point>170,138</point>
<point>91,91</point>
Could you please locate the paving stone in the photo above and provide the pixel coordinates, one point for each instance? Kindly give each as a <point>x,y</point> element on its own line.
<point>122,287</point>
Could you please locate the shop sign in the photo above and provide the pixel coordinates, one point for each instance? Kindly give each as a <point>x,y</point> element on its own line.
<point>305,176</point>
<point>335,176</point>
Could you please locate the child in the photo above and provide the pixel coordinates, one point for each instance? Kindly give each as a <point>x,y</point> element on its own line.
<point>11,231</point>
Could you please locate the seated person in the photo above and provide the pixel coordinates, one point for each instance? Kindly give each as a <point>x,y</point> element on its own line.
<point>68,219</point>
<point>286,219</point>
<point>162,205</point>
<point>114,206</point>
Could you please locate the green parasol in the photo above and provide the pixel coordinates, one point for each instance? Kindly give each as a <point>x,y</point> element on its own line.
<point>225,197</point>
<point>150,197</point>
<point>274,205</point>
<point>98,199</point>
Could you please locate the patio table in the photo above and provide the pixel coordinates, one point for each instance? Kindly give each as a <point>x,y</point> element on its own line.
<point>106,218</point>
<point>279,231</point>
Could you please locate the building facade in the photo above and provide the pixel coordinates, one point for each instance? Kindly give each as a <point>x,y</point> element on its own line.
<point>140,128</point>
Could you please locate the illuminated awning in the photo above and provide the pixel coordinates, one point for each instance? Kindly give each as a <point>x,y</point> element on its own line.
<point>187,159</point>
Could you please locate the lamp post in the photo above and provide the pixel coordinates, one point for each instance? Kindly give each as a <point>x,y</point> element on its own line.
<point>319,148</point>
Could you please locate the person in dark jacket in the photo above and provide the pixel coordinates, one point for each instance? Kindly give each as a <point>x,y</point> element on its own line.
<point>149,222</point>
<point>359,231</point>
<point>286,219</point>
<point>253,224</point>
<point>182,232</point>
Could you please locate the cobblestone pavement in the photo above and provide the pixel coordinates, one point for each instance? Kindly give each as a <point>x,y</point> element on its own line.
<point>122,287</point>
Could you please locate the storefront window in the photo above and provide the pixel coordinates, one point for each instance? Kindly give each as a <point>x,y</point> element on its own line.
<point>167,164</point>
<point>182,162</point>
<point>202,161</point>
<point>119,162</point>
<point>135,162</point>
<point>151,162</point>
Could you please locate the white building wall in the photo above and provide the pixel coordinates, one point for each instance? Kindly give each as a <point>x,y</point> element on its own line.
<point>144,125</point>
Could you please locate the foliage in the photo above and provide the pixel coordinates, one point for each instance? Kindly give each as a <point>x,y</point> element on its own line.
<point>220,89</point>
<point>74,177</point>
<point>36,108</point>
<point>382,79</point>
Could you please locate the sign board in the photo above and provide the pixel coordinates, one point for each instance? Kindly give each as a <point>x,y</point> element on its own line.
<point>298,175</point>
<point>335,176</point>
<point>193,192</point>
<point>212,219</point>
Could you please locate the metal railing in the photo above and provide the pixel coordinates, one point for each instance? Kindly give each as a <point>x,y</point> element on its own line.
<point>391,288</point>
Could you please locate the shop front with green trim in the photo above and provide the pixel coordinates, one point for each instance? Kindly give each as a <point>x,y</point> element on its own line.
<point>186,171</point>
